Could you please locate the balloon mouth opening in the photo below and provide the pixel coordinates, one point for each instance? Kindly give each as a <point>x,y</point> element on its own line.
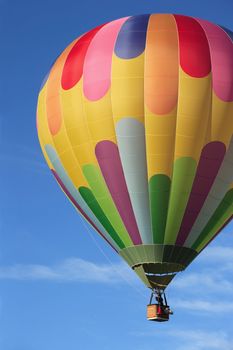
<point>156,275</point>
<point>156,264</point>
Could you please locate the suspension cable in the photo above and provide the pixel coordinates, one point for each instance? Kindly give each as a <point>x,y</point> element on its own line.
<point>108,259</point>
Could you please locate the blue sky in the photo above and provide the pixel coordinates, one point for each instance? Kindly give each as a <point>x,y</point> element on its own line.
<point>61,287</point>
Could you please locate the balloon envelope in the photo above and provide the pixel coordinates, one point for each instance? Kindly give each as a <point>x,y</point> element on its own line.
<point>135,122</point>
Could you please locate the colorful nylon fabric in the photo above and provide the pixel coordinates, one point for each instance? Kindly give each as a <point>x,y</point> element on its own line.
<point>135,120</point>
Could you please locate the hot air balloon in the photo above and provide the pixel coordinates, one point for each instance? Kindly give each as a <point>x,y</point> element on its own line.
<point>135,121</point>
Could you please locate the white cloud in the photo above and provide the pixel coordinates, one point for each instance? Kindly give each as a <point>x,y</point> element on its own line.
<point>220,257</point>
<point>215,274</point>
<point>70,270</point>
<point>208,281</point>
<point>211,282</point>
<point>188,339</point>
<point>211,278</point>
<point>207,306</point>
<point>202,340</point>
<point>217,255</point>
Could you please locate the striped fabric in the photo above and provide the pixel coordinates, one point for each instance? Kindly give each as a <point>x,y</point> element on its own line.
<point>135,120</point>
